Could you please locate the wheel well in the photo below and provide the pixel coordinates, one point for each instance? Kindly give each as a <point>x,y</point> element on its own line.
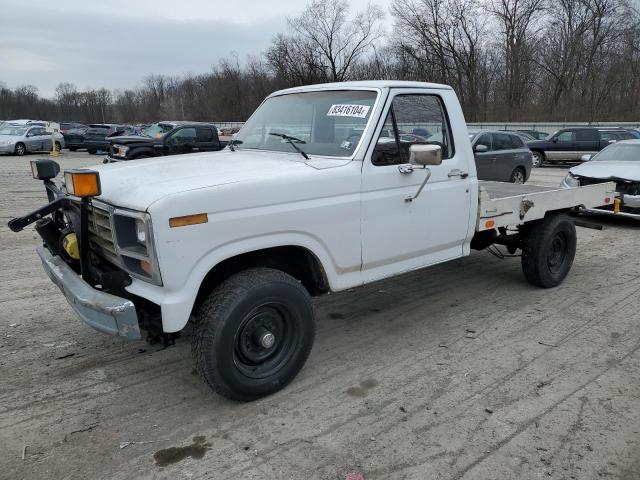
<point>297,261</point>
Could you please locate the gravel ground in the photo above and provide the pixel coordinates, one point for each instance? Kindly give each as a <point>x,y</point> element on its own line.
<point>458,371</point>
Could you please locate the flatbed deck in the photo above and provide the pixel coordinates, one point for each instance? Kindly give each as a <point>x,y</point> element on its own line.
<point>507,204</point>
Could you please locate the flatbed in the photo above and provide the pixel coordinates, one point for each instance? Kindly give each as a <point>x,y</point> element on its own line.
<point>506,204</point>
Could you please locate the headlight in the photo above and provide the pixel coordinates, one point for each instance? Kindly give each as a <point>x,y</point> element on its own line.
<point>141,232</point>
<point>570,181</point>
<point>134,244</point>
<point>120,150</point>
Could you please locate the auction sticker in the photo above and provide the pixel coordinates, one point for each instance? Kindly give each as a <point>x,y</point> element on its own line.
<point>345,110</point>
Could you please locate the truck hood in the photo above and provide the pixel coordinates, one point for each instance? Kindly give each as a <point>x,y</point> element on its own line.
<point>608,170</point>
<point>138,184</point>
<point>128,139</point>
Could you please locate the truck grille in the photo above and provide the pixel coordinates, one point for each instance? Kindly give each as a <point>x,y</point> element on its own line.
<point>101,236</point>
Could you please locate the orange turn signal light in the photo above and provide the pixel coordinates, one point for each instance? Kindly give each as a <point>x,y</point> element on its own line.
<point>490,224</point>
<point>82,183</point>
<point>188,220</point>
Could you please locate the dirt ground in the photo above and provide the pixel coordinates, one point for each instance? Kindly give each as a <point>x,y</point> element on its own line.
<point>458,371</point>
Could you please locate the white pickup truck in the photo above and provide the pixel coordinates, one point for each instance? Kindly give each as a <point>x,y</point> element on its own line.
<point>325,188</point>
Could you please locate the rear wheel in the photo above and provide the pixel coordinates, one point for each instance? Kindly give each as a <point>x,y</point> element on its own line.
<point>20,149</point>
<point>253,334</point>
<point>548,250</point>
<point>537,158</point>
<point>58,147</point>
<point>517,176</point>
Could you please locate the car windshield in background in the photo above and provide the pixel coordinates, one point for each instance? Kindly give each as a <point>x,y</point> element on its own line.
<point>619,152</point>
<point>327,123</point>
<point>19,131</point>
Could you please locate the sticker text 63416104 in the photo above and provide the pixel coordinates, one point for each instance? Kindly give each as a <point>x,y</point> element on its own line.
<point>345,110</point>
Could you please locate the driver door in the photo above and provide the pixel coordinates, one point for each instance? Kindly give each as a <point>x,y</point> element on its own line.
<point>398,235</point>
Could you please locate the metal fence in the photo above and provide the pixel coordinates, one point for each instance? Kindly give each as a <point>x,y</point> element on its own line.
<point>548,127</point>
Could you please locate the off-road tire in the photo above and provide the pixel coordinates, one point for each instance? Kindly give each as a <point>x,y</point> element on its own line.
<point>548,250</point>
<point>220,334</point>
<point>20,149</point>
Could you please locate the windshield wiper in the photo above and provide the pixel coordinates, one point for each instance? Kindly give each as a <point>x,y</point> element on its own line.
<point>292,141</point>
<point>233,143</point>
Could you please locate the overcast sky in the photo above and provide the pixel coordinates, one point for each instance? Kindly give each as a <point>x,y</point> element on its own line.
<point>116,43</point>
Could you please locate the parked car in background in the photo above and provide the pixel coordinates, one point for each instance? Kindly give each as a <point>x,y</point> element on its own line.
<point>524,136</point>
<point>570,144</point>
<point>184,137</point>
<point>620,163</point>
<point>634,132</point>
<point>65,127</point>
<point>501,156</point>
<point>22,139</point>
<point>95,137</point>
<point>536,134</point>
<point>74,138</point>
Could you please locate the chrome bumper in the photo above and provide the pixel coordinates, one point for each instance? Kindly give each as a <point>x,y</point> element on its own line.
<point>101,311</point>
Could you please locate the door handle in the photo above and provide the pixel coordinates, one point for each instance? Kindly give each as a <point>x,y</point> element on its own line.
<point>456,172</point>
<point>405,169</point>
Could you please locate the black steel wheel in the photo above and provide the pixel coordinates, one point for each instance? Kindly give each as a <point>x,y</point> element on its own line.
<point>253,333</point>
<point>20,149</point>
<point>549,247</point>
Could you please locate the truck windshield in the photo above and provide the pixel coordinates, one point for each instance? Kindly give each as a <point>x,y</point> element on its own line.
<point>329,123</point>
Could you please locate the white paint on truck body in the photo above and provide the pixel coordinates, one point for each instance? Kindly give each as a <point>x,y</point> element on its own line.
<point>350,214</point>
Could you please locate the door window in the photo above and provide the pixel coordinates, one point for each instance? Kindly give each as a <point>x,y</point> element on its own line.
<point>485,139</point>
<point>183,136</point>
<point>502,141</point>
<point>386,151</point>
<point>204,134</point>
<point>413,119</point>
<point>568,136</point>
<point>587,136</point>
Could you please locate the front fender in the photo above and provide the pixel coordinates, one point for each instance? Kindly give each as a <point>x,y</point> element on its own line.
<point>177,303</point>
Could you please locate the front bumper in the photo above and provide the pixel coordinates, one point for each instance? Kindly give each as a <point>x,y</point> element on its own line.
<point>101,311</point>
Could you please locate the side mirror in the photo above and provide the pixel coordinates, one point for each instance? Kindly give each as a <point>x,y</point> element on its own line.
<point>554,140</point>
<point>612,141</point>
<point>425,155</point>
<point>480,148</point>
<point>586,158</point>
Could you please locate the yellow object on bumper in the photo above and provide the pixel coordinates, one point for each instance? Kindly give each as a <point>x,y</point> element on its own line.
<point>616,205</point>
<point>70,245</point>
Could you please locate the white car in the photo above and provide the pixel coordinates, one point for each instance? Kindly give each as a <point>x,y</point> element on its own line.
<point>311,197</point>
<point>620,163</point>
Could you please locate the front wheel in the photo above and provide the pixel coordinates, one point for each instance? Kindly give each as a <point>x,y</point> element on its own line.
<point>253,334</point>
<point>20,149</point>
<point>58,147</point>
<point>548,250</point>
<point>537,158</point>
<point>92,151</point>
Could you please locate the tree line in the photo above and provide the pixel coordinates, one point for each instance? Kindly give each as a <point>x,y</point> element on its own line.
<point>508,60</point>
